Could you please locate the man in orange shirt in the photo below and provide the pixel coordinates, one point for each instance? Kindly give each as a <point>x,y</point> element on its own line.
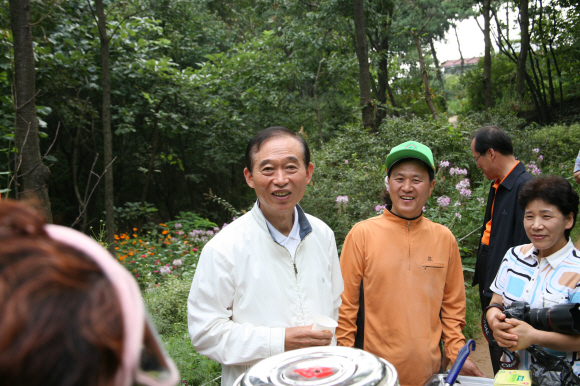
<point>403,279</point>
<point>493,153</point>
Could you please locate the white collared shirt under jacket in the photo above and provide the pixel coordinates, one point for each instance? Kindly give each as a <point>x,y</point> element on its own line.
<point>246,290</point>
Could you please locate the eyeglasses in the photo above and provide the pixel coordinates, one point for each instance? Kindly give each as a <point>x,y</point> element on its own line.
<point>475,159</point>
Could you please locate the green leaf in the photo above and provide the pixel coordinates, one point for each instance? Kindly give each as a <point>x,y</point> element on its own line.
<point>43,110</point>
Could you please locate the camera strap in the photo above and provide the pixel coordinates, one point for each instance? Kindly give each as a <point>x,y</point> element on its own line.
<point>487,332</point>
<point>509,360</point>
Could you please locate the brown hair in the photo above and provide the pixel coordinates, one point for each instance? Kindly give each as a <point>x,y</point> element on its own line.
<point>59,316</point>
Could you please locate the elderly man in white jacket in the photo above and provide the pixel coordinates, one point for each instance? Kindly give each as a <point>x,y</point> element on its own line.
<point>262,281</point>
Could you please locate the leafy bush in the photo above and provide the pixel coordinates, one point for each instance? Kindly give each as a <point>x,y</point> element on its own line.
<point>165,250</point>
<point>473,313</point>
<point>194,369</point>
<point>167,307</point>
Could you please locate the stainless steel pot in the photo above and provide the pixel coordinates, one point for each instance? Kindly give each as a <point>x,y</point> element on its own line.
<point>321,366</point>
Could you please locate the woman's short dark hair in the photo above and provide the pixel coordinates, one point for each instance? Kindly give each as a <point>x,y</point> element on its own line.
<point>60,319</point>
<point>492,137</point>
<point>273,132</point>
<point>553,190</point>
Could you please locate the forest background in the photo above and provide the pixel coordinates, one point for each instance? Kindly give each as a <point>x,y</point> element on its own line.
<point>128,119</point>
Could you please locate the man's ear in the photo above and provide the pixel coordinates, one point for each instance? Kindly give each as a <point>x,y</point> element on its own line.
<point>431,186</point>
<point>249,178</point>
<point>309,171</point>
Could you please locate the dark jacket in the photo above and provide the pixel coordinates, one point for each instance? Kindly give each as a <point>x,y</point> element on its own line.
<point>507,226</point>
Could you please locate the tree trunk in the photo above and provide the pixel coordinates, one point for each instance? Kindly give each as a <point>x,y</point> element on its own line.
<point>487,54</point>
<point>425,75</point>
<point>35,175</point>
<point>459,48</point>
<point>437,66</point>
<point>553,16</point>
<point>106,119</point>
<point>362,54</point>
<point>524,46</point>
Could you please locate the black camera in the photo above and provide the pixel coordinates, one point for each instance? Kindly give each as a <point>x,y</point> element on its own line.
<point>562,318</point>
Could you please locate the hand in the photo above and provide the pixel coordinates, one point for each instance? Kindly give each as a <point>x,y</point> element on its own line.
<point>497,322</point>
<point>470,368</point>
<point>577,177</point>
<point>301,337</point>
<point>525,333</point>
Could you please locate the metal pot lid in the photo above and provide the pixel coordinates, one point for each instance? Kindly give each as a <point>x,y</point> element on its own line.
<point>316,366</point>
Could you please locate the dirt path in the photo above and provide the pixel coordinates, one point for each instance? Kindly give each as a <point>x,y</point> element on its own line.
<point>481,356</point>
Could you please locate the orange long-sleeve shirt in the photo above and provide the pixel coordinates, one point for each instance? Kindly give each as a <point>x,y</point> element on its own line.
<point>414,293</point>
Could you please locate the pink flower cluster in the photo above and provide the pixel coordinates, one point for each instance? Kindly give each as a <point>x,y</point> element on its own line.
<point>458,171</point>
<point>462,184</point>
<point>533,169</point>
<point>342,199</point>
<point>443,201</point>
<point>444,164</point>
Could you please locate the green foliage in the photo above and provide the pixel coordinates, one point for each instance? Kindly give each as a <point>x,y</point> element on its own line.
<point>191,221</point>
<point>194,369</point>
<point>502,85</point>
<point>132,211</point>
<point>167,308</point>
<point>167,305</point>
<point>164,251</point>
<point>472,327</point>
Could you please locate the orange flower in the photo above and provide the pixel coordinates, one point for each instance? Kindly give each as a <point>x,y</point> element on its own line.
<point>134,242</point>
<point>116,247</point>
<point>130,253</point>
<point>134,235</point>
<point>134,229</point>
<point>116,237</point>
<point>165,232</point>
<point>163,225</point>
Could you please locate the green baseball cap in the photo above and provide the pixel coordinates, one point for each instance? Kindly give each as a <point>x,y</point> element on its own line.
<point>410,149</point>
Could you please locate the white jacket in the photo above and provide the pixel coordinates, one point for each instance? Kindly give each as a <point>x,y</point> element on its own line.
<point>246,290</point>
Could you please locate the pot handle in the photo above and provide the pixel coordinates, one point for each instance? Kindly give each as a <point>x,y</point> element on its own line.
<point>461,357</point>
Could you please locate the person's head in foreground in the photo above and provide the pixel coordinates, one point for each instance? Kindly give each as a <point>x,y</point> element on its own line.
<point>411,178</point>
<point>69,313</point>
<point>550,207</point>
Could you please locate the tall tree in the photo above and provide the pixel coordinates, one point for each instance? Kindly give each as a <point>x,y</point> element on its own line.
<point>524,47</point>
<point>101,19</point>
<point>362,54</point>
<point>35,175</point>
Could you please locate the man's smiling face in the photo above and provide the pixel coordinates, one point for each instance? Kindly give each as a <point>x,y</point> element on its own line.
<point>409,188</point>
<point>279,176</point>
